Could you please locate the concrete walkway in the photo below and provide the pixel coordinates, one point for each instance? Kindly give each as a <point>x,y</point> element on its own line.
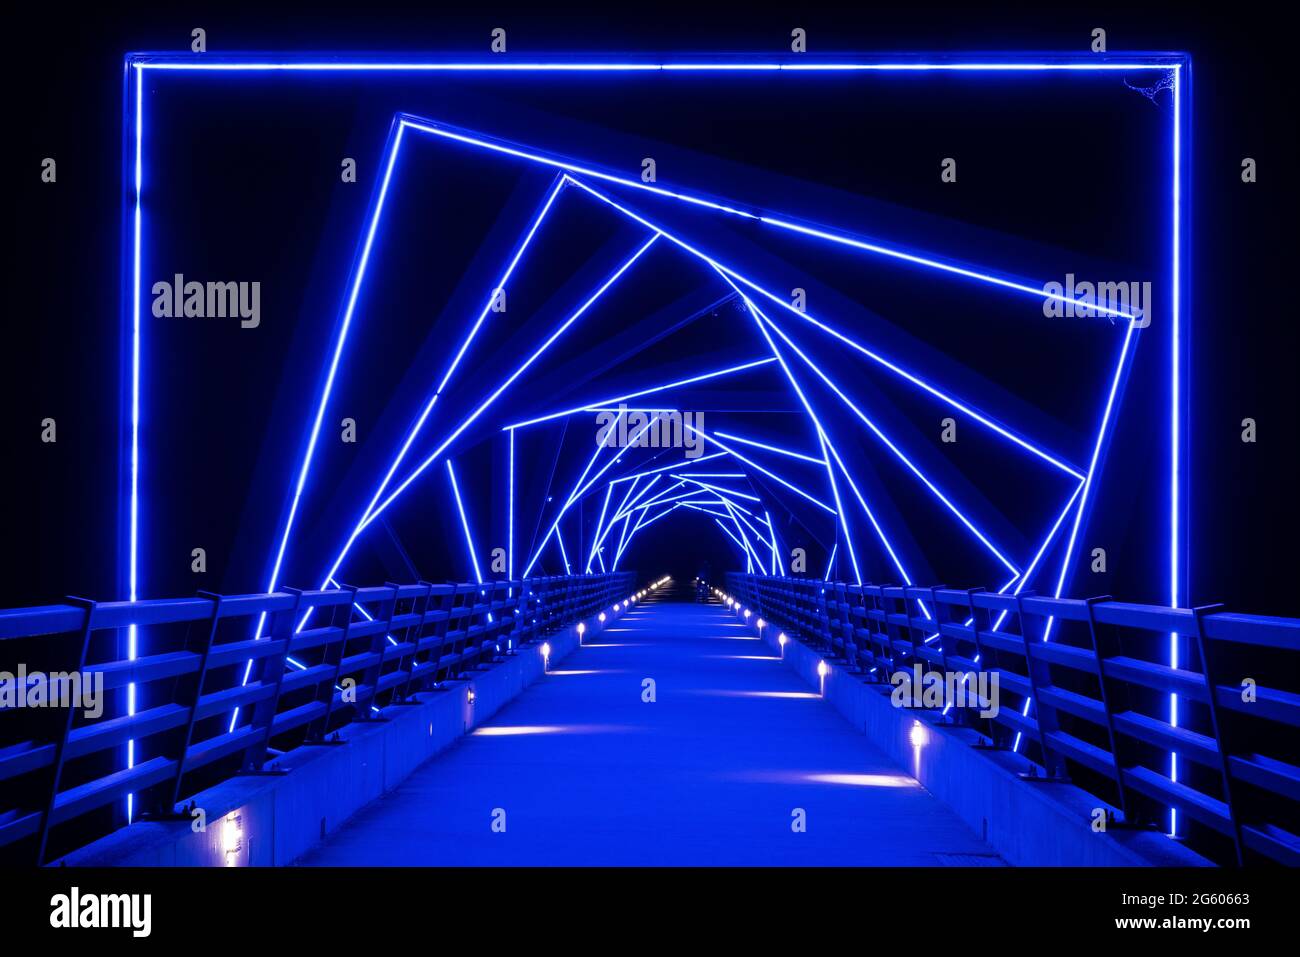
<point>714,772</point>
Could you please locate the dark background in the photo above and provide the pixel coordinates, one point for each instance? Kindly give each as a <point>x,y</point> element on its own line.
<point>59,523</point>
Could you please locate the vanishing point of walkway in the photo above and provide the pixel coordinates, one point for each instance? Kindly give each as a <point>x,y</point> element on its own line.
<point>719,769</point>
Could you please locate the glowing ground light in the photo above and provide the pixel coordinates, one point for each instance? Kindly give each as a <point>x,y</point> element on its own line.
<point>917,737</point>
<point>232,838</point>
<point>546,655</point>
<point>823,669</point>
<point>781,639</point>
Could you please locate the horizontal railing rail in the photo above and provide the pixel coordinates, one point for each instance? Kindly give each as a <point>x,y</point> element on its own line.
<point>1089,698</point>
<point>220,680</point>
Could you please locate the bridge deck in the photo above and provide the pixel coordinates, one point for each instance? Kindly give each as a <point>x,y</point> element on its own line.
<point>710,773</point>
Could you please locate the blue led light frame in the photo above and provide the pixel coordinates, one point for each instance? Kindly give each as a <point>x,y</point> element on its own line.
<point>135,128</point>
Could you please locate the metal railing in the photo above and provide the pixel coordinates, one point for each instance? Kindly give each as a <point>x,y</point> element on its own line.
<point>205,699</point>
<point>1091,701</point>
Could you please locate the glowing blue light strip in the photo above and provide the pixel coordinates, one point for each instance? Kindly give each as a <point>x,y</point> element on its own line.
<point>636,395</point>
<point>564,508</point>
<point>639,495</point>
<point>770,448</point>
<point>669,467</point>
<point>754,465</point>
<point>776,564</point>
<point>464,524</point>
<point>821,433</point>
<point>465,424</point>
<point>957,404</point>
<point>132,633</point>
<point>510,513</point>
<point>830,563</point>
<point>464,346</point>
<point>742,513</point>
<point>600,524</point>
<point>1103,433</point>
<point>702,475</point>
<point>211,63</point>
<point>624,509</point>
<point>720,489</point>
<point>359,273</point>
<point>753,553</point>
<point>732,537</point>
<point>580,489</point>
<point>1038,290</point>
<point>564,555</point>
<point>632,440</point>
<point>1175,431</point>
<point>697,506</point>
<point>925,480</point>
<point>644,523</point>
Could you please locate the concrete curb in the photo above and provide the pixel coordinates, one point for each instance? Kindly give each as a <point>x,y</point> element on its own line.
<point>273,819</point>
<point>1030,825</point>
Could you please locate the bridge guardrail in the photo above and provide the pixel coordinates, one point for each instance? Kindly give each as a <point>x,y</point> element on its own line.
<point>1093,703</point>
<point>220,679</point>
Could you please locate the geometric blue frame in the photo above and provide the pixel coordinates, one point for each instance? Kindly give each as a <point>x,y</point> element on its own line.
<point>1179,65</point>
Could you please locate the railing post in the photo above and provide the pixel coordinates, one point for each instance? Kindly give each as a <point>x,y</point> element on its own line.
<point>1211,692</point>
<point>403,694</point>
<point>61,746</point>
<point>378,645</point>
<point>1045,715</point>
<point>940,619</point>
<point>979,651</point>
<point>318,730</point>
<point>274,664</point>
<point>198,696</point>
<point>1090,604</point>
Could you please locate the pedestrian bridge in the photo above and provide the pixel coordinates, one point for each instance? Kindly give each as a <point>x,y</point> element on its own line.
<point>592,720</point>
<point>727,758</point>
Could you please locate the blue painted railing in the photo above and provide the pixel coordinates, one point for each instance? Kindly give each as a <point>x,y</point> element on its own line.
<point>1092,704</point>
<point>204,699</point>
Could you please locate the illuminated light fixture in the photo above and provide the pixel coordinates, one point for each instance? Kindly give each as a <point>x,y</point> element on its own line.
<point>601,617</point>
<point>469,696</point>
<point>760,624</point>
<point>916,736</point>
<point>546,655</point>
<point>781,639</point>
<point>823,669</point>
<point>746,614</point>
<point>232,838</point>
